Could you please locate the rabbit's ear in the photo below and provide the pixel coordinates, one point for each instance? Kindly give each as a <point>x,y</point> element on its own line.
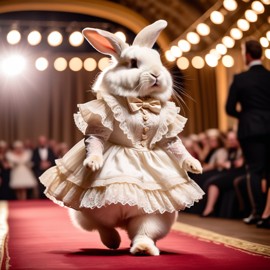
<point>104,41</point>
<point>148,35</point>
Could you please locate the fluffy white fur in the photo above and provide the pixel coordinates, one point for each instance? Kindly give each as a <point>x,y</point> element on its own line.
<point>136,71</point>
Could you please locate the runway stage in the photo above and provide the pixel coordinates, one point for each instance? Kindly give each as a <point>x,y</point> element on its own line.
<point>41,236</point>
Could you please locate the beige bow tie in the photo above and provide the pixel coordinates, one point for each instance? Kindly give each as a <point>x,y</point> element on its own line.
<point>136,104</point>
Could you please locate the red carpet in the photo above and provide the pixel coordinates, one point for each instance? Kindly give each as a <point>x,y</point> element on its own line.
<point>42,237</point>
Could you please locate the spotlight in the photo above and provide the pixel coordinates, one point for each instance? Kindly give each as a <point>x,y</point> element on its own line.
<point>243,24</point>
<point>184,45</point>
<point>227,61</point>
<point>197,62</point>
<point>251,16</point>
<point>221,49</point>
<point>41,64</point>
<point>60,64</point>
<point>258,7</point>
<point>230,5</point>
<point>193,38</point>
<point>211,60</point>
<point>13,37</point>
<point>217,17</point>
<point>169,56</point>
<point>264,42</point>
<point>228,41</point>
<point>55,38</point>
<point>182,63</point>
<point>13,65</point>
<point>76,39</point>
<point>34,38</point>
<point>236,33</point>
<point>203,29</point>
<point>90,64</point>
<point>103,63</point>
<point>176,51</point>
<point>121,35</point>
<point>75,64</point>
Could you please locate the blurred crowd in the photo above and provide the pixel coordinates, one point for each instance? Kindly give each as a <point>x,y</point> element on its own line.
<point>224,174</point>
<point>22,162</point>
<point>223,178</point>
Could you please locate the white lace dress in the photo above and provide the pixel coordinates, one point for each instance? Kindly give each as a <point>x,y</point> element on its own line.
<point>21,175</point>
<point>137,171</point>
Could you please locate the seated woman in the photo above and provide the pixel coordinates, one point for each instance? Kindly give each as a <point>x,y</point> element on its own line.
<point>224,180</point>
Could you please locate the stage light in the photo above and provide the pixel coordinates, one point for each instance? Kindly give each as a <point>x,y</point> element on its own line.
<point>230,5</point>
<point>76,39</point>
<point>215,53</point>
<point>211,60</point>
<point>34,38</point>
<point>268,35</point>
<point>228,41</point>
<point>75,64</point>
<point>221,49</point>
<point>13,37</point>
<point>103,63</point>
<point>203,29</point>
<point>193,38</point>
<point>184,45</point>
<point>266,2</point>
<point>55,38</point>
<point>41,64</point>
<point>182,63</point>
<point>243,24</point>
<point>267,53</point>
<point>13,65</point>
<point>169,56</point>
<point>60,64</point>
<point>236,33</point>
<point>90,64</point>
<point>251,16</point>
<point>121,35</point>
<point>258,7</point>
<point>216,17</point>
<point>197,62</point>
<point>227,61</point>
<point>264,42</point>
<point>176,51</point>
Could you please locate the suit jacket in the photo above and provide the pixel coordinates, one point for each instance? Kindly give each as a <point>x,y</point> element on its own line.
<point>252,90</point>
<point>36,159</point>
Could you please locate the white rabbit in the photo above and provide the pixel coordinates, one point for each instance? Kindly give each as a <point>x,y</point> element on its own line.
<point>130,171</point>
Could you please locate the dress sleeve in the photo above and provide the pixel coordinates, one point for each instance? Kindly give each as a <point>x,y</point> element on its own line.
<point>94,117</point>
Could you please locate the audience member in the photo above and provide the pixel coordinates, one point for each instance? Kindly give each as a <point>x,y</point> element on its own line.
<point>21,176</point>
<point>224,180</point>
<point>251,89</point>
<point>43,158</point>
<point>6,193</point>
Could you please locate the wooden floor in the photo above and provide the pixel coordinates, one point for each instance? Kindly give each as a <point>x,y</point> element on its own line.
<point>228,227</point>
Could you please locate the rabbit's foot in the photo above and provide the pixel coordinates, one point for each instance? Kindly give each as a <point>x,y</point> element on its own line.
<point>144,246</point>
<point>110,238</point>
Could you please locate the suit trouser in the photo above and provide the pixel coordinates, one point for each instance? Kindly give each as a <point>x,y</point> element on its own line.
<point>256,151</point>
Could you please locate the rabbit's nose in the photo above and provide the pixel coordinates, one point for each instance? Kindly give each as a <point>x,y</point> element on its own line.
<point>155,75</point>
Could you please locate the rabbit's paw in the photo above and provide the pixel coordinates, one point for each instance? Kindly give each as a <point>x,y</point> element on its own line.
<point>110,238</point>
<point>94,162</point>
<point>144,246</point>
<point>192,165</point>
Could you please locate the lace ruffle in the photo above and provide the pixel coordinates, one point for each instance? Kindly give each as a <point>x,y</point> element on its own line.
<point>171,123</point>
<point>66,193</point>
<point>97,107</point>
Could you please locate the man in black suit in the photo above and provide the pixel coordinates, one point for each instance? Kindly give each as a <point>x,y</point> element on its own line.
<point>251,89</point>
<point>43,158</point>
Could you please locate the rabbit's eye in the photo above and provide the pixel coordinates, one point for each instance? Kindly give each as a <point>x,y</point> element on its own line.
<point>133,63</point>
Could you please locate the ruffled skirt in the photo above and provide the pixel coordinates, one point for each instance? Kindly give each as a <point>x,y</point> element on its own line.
<point>148,179</point>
